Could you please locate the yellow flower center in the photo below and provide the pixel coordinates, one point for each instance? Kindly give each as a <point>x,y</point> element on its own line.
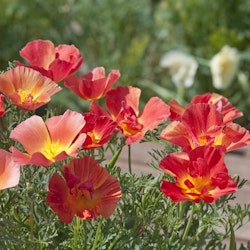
<point>25,96</point>
<point>52,149</point>
<point>202,140</point>
<point>94,137</point>
<point>195,187</point>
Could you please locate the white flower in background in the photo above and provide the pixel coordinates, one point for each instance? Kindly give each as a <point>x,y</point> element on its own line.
<point>182,67</point>
<point>224,66</point>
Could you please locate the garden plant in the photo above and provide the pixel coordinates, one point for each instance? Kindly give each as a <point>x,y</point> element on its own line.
<point>60,189</point>
<point>61,186</point>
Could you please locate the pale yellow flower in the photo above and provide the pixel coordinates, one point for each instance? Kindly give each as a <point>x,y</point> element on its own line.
<point>224,66</point>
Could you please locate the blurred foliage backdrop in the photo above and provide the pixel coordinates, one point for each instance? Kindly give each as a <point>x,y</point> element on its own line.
<point>132,36</point>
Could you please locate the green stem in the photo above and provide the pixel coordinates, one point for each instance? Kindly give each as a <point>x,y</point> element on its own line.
<point>176,209</point>
<point>114,158</point>
<point>182,207</point>
<point>76,232</point>
<point>202,238</point>
<point>31,220</point>
<point>97,235</point>
<point>129,159</point>
<point>180,94</point>
<point>189,223</point>
<point>117,238</point>
<point>85,236</point>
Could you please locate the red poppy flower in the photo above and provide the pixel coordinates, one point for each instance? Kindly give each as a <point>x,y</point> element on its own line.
<point>229,112</point>
<point>99,130</point>
<point>9,170</point>
<point>123,107</point>
<point>49,141</point>
<point>54,62</point>
<point>199,175</point>
<point>27,88</point>
<point>93,85</point>
<point>87,191</point>
<point>202,124</point>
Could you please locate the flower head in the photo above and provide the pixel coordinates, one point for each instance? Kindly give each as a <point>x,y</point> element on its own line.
<point>9,170</point>
<point>224,67</point>
<point>202,124</point>
<point>182,67</point>
<point>27,88</point>
<point>93,85</point>
<point>123,107</point>
<point>49,141</point>
<point>199,175</point>
<point>54,62</point>
<point>228,111</point>
<point>99,130</point>
<point>87,191</point>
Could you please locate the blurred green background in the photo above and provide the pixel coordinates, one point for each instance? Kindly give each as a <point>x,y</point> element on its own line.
<point>132,36</point>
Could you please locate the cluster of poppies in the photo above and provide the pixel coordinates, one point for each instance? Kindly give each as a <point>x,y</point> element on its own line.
<point>204,130</point>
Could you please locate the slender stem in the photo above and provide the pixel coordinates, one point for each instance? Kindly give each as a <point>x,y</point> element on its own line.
<point>202,238</point>
<point>114,158</point>
<point>31,203</point>
<point>85,236</point>
<point>181,209</point>
<point>76,232</point>
<point>129,159</point>
<point>97,235</point>
<point>180,94</point>
<point>189,223</point>
<point>117,238</point>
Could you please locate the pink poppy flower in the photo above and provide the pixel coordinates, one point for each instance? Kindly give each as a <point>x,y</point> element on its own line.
<point>93,85</point>
<point>47,142</point>
<point>27,88</point>
<point>9,170</point>
<point>54,62</point>
<point>199,175</point>
<point>86,190</point>
<point>123,107</point>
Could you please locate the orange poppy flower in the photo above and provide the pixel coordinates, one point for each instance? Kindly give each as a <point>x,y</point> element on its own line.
<point>93,85</point>
<point>87,191</point>
<point>54,62</point>
<point>228,111</point>
<point>27,88</point>
<point>9,170</point>
<point>199,175</point>
<point>202,124</point>
<point>123,107</point>
<point>49,141</point>
<point>99,130</point>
